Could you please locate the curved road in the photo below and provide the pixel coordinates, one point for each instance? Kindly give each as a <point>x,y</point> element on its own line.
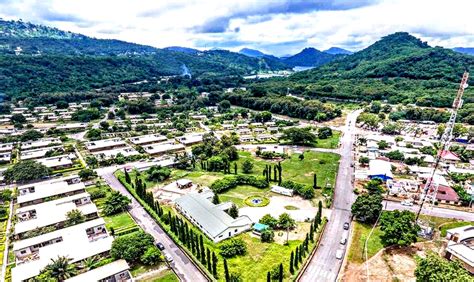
<point>181,264</point>
<point>324,266</point>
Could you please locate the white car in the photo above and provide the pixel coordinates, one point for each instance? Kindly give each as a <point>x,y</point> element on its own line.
<point>168,258</point>
<point>339,253</point>
<point>407,203</point>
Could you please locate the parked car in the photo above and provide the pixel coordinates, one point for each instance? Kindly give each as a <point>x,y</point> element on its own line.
<point>168,258</point>
<point>344,237</point>
<point>407,203</point>
<point>346,225</point>
<point>339,253</point>
<point>160,246</point>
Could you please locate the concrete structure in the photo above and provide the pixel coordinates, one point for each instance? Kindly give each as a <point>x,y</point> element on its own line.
<point>5,157</point>
<point>6,147</point>
<point>37,153</point>
<point>460,246</point>
<point>40,143</point>
<point>282,190</point>
<point>106,144</point>
<point>184,183</point>
<point>36,193</point>
<point>77,242</point>
<point>147,139</point>
<point>58,162</point>
<point>380,169</point>
<point>53,213</point>
<point>213,221</point>
<point>190,139</point>
<point>162,148</point>
<point>112,153</point>
<point>69,127</point>
<point>116,271</point>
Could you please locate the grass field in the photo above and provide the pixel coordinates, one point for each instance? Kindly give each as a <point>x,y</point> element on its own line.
<point>330,143</point>
<point>325,166</point>
<point>360,233</point>
<point>241,192</point>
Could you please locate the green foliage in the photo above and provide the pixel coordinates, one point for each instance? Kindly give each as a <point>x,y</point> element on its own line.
<point>370,120</point>
<point>151,256</point>
<point>158,173</point>
<point>229,182</point>
<point>399,228</point>
<point>115,203</point>
<point>86,115</point>
<point>267,236</point>
<point>299,136</point>
<point>93,134</point>
<point>5,195</point>
<point>269,220</point>
<point>132,247</point>
<point>309,57</point>
<point>304,191</point>
<point>24,171</point>
<point>324,132</point>
<point>233,211</point>
<point>58,270</point>
<point>436,268</point>
<point>232,247</point>
<point>74,217</point>
<point>367,207</point>
<point>31,135</point>
<point>286,222</point>
<point>247,166</point>
<point>395,155</point>
<point>364,160</point>
<point>87,174</point>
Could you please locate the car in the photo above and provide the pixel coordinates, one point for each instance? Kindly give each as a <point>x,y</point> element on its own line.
<point>346,225</point>
<point>168,258</point>
<point>339,253</point>
<point>160,246</point>
<point>407,203</point>
<point>344,237</point>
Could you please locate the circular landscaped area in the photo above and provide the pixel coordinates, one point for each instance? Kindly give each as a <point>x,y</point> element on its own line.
<point>256,201</point>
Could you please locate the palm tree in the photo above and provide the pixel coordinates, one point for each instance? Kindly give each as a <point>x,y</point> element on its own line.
<point>89,263</point>
<point>60,268</point>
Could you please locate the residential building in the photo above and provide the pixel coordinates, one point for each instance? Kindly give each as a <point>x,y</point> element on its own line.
<point>106,144</point>
<point>37,153</point>
<point>116,271</point>
<point>449,157</point>
<point>460,246</point>
<point>6,147</point>
<point>112,153</point>
<point>380,169</point>
<point>77,243</point>
<point>58,162</point>
<point>162,148</point>
<point>211,219</point>
<point>39,192</point>
<point>40,143</point>
<point>5,157</point>
<point>190,139</point>
<point>52,213</point>
<point>70,127</point>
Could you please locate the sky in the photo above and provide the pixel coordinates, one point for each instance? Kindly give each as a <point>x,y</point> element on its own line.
<point>278,27</point>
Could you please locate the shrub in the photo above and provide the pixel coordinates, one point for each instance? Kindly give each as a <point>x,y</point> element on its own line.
<point>97,194</point>
<point>267,235</point>
<point>304,191</point>
<point>151,256</point>
<point>232,248</point>
<point>230,182</point>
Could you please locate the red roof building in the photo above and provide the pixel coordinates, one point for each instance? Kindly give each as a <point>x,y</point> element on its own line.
<point>449,156</point>
<point>445,194</point>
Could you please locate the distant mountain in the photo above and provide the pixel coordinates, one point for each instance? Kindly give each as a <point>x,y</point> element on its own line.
<point>309,57</point>
<point>396,55</point>
<point>465,50</point>
<point>251,52</point>
<point>182,49</point>
<point>337,51</point>
<point>36,59</point>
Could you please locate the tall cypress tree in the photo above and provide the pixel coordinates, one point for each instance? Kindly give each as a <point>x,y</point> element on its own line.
<point>292,270</point>
<point>208,255</point>
<point>203,251</point>
<point>269,279</point>
<point>275,171</point>
<point>315,181</point>
<point>127,176</point>
<point>280,273</point>
<point>214,264</point>
<point>295,260</point>
<point>198,251</point>
<point>300,258</point>
<point>226,271</point>
<point>193,246</point>
<point>311,233</point>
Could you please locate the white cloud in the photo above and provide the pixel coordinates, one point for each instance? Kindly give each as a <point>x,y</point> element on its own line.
<point>260,24</point>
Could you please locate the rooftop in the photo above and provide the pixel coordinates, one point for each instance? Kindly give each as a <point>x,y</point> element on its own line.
<point>47,189</point>
<point>151,138</point>
<point>37,153</point>
<point>125,151</point>
<point>100,144</point>
<point>102,272</point>
<point>56,161</point>
<point>44,142</point>
<point>162,148</point>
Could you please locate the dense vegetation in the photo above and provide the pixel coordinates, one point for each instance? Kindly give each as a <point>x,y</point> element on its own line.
<point>309,57</point>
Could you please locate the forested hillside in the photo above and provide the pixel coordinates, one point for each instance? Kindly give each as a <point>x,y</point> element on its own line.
<point>309,57</point>
<point>399,69</point>
<point>36,59</point>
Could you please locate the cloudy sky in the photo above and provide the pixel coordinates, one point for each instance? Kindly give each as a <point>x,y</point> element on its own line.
<point>274,26</point>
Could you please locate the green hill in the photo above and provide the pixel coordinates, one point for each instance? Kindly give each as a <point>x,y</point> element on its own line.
<point>36,59</point>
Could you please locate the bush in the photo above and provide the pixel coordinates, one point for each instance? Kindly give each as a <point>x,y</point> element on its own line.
<point>304,191</point>
<point>269,220</point>
<point>267,236</point>
<point>229,182</point>
<point>232,248</point>
<point>132,247</point>
<point>97,194</point>
<point>151,256</point>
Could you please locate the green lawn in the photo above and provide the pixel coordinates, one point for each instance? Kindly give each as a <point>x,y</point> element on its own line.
<point>119,222</point>
<point>325,165</point>
<point>360,233</point>
<point>241,192</point>
<point>330,143</point>
<point>167,276</point>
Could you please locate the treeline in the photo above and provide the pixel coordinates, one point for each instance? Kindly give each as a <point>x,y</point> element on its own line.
<point>312,110</point>
<point>412,113</point>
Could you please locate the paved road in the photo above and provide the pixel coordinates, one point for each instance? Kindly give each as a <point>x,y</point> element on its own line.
<point>435,211</point>
<point>323,265</point>
<point>184,268</point>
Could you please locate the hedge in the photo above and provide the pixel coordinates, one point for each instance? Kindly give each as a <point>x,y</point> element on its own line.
<point>229,182</point>
<point>304,191</point>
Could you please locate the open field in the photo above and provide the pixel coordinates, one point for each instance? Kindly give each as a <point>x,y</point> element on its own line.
<point>330,143</point>
<point>359,235</point>
<point>241,192</point>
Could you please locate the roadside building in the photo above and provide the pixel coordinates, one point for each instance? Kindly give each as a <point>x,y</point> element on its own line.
<point>190,139</point>
<point>460,246</point>
<point>125,151</point>
<point>212,220</point>
<point>58,162</point>
<point>380,169</point>
<point>147,139</point>
<point>116,271</point>
<point>184,183</point>
<point>449,157</point>
<point>77,243</point>
<point>106,144</point>
<point>38,153</point>
<point>162,148</point>
<point>40,143</point>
